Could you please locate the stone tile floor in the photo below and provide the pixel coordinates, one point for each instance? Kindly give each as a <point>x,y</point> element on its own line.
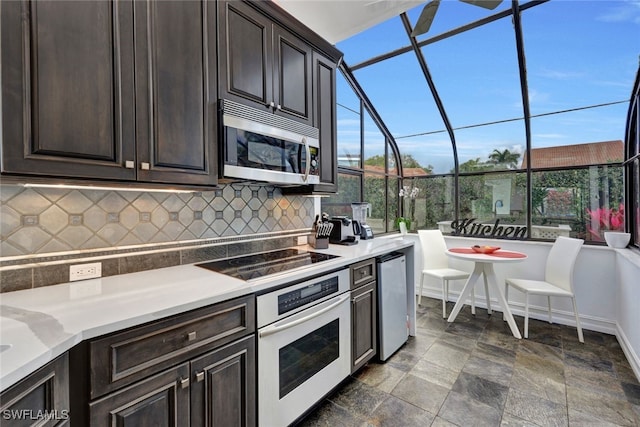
<point>473,372</point>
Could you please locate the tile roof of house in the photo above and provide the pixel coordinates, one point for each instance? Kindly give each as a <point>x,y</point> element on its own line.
<point>592,153</point>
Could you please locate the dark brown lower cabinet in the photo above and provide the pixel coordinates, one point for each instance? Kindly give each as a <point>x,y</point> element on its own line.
<point>161,400</point>
<point>41,399</point>
<point>215,389</point>
<point>196,368</point>
<point>363,325</point>
<point>364,310</point>
<point>224,384</point>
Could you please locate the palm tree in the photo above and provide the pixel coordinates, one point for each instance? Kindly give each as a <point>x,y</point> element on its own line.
<point>505,157</point>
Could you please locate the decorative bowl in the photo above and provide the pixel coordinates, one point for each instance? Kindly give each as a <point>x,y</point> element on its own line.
<point>484,249</point>
<point>617,239</point>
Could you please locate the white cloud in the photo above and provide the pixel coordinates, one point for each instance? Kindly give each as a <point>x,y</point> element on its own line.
<point>559,75</point>
<point>623,11</point>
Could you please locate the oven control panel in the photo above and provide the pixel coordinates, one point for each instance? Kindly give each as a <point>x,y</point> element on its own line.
<point>293,299</point>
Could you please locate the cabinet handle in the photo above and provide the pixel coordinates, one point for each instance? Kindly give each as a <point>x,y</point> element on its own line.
<point>129,164</point>
<point>200,376</point>
<point>144,166</point>
<point>191,336</point>
<point>184,383</point>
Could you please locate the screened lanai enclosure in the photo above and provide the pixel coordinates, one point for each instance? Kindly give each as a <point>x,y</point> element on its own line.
<point>502,119</point>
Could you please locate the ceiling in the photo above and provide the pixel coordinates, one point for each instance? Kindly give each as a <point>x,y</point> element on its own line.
<point>337,20</point>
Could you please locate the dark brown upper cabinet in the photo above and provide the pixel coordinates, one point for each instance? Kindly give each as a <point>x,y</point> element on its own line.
<point>262,64</point>
<point>67,88</point>
<point>89,91</point>
<point>325,119</point>
<point>324,103</point>
<point>176,98</point>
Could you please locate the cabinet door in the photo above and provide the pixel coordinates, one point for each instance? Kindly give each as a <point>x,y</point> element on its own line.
<point>44,392</point>
<point>224,386</point>
<point>67,88</point>
<point>176,91</point>
<point>245,49</point>
<point>364,327</point>
<point>161,400</point>
<point>292,76</point>
<point>324,98</point>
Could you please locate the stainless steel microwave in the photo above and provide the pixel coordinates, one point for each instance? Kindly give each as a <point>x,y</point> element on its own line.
<point>262,146</point>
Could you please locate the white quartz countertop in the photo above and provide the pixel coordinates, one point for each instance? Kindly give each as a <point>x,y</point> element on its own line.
<point>38,325</point>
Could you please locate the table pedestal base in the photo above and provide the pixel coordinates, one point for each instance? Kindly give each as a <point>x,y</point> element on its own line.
<point>485,269</point>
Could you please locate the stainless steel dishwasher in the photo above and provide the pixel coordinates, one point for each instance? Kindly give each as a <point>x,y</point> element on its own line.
<point>393,323</point>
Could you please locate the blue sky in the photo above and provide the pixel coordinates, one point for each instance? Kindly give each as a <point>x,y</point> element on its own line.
<point>578,54</point>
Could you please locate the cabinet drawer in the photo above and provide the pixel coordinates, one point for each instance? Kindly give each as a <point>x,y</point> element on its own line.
<point>122,358</point>
<point>363,272</point>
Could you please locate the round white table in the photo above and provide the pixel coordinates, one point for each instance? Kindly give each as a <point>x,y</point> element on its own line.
<point>484,266</point>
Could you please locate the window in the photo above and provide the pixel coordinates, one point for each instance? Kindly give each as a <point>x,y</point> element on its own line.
<point>632,164</point>
<point>367,163</point>
<point>550,164</point>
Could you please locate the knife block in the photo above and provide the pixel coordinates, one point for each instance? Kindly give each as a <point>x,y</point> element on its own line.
<point>322,243</point>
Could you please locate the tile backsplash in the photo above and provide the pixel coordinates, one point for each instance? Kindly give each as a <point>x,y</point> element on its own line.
<point>38,221</point>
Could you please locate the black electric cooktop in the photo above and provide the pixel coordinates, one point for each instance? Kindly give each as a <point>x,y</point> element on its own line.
<point>259,265</point>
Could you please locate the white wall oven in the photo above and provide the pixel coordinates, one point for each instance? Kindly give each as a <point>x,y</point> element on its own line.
<point>304,345</point>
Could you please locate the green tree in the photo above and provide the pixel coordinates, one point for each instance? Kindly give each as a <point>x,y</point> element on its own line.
<point>408,161</point>
<point>377,160</point>
<point>474,165</point>
<point>504,157</point>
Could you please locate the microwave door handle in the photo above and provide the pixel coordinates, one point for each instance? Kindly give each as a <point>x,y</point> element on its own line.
<point>273,329</point>
<point>307,169</point>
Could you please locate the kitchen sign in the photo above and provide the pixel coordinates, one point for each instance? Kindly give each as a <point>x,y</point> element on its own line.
<point>467,227</point>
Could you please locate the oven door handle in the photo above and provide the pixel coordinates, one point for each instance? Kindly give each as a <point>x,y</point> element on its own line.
<point>270,330</point>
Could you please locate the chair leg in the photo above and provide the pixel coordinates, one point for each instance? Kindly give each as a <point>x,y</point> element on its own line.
<point>549,302</point>
<point>420,293</point>
<point>506,298</point>
<point>526,315</point>
<point>445,287</point>
<point>473,301</point>
<point>578,327</point>
<point>486,293</point>
<point>446,290</point>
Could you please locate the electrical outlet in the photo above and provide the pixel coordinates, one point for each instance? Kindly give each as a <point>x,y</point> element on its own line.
<point>302,240</point>
<point>85,271</point>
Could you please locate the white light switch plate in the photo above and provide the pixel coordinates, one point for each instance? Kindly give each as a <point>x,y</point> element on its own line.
<point>85,271</point>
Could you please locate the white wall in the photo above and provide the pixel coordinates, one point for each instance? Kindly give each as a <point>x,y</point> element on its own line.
<point>628,275</point>
<point>607,286</point>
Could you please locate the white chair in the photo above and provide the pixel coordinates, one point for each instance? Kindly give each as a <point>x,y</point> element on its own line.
<point>558,279</point>
<point>435,263</point>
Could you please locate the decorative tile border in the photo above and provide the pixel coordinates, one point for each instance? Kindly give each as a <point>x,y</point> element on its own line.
<point>43,230</point>
<point>46,220</point>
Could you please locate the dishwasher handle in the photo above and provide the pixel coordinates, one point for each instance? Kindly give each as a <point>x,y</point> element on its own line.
<point>270,330</point>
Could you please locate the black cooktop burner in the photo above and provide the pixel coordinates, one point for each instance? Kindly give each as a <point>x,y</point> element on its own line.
<point>259,265</point>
